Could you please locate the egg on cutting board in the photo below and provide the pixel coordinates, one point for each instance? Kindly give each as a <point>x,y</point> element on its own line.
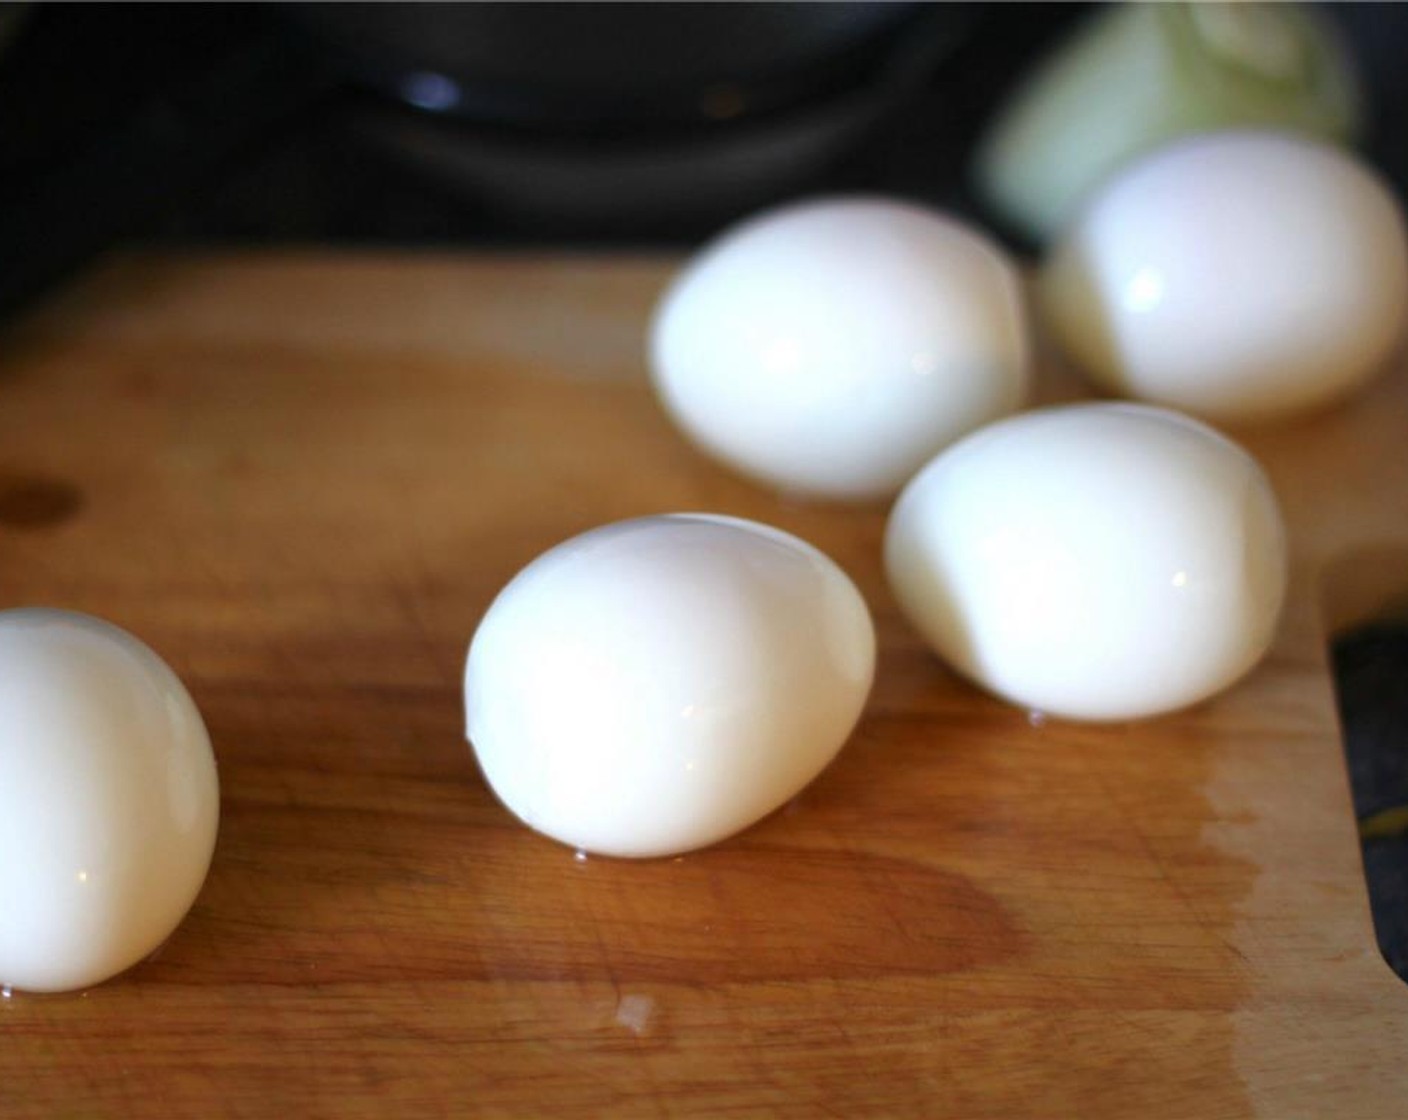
<point>1241,276</point>
<point>1097,562</point>
<point>111,800</point>
<point>830,348</point>
<point>656,685</point>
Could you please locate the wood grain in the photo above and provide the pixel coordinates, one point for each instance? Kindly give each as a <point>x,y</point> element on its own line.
<point>302,478</point>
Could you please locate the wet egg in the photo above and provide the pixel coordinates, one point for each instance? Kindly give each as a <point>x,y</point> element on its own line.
<point>1098,562</point>
<point>1241,276</point>
<point>111,800</point>
<point>656,685</point>
<point>830,348</point>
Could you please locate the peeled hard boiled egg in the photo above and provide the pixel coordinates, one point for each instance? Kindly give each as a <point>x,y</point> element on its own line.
<point>110,800</point>
<point>831,348</point>
<point>1099,561</point>
<point>655,685</point>
<point>1238,275</point>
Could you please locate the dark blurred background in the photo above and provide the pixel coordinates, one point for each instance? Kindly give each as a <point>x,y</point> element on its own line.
<point>573,125</point>
<point>548,124</point>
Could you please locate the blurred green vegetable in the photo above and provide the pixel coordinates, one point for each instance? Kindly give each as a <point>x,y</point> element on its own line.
<point>1139,75</point>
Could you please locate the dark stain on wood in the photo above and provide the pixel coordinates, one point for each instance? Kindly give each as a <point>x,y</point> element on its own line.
<point>37,502</point>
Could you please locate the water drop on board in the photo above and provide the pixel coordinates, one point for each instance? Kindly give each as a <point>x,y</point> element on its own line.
<point>6,992</point>
<point>1036,719</point>
<point>580,856</point>
<point>634,1012</point>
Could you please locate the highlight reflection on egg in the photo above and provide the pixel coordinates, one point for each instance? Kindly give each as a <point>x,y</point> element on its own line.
<point>111,800</point>
<point>655,685</point>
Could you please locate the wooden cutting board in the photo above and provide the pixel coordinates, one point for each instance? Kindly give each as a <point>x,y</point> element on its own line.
<point>302,478</point>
